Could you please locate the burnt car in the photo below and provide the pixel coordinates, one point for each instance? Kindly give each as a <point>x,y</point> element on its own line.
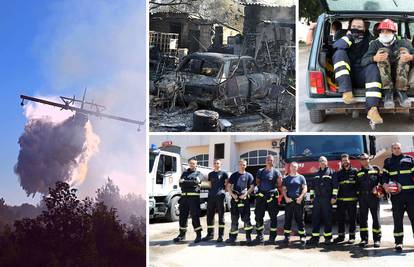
<point>205,77</point>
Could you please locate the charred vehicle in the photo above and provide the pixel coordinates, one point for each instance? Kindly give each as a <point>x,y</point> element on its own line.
<point>218,80</point>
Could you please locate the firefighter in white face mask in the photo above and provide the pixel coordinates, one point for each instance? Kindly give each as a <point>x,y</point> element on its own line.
<point>389,60</point>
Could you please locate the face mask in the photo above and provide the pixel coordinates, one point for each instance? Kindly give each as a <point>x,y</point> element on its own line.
<point>358,35</point>
<point>386,39</point>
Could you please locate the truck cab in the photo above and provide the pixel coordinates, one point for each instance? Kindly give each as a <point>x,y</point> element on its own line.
<point>165,169</point>
<point>320,84</point>
<point>164,172</point>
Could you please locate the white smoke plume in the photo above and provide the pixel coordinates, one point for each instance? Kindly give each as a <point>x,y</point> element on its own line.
<point>101,45</point>
<point>55,146</point>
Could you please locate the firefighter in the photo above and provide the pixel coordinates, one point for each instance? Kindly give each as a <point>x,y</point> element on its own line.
<point>347,57</point>
<point>240,186</point>
<point>387,58</point>
<point>294,190</point>
<point>398,180</point>
<point>323,195</point>
<point>216,196</point>
<point>267,180</point>
<point>347,199</point>
<point>189,203</point>
<point>369,193</point>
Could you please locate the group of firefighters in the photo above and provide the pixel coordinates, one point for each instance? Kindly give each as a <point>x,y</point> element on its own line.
<point>379,62</point>
<point>361,61</point>
<point>346,188</point>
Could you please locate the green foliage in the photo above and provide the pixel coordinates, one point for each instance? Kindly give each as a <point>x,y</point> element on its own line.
<point>310,9</point>
<point>72,232</point>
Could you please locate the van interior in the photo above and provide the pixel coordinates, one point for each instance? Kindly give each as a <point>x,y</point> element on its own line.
<point>405,31</point>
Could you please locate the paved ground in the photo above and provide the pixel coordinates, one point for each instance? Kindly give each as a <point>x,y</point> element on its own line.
<point>163,252</point>
<point>340,122</point>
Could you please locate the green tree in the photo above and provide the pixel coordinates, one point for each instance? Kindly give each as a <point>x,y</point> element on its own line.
<point>310,9</point>
<point>71,232</point>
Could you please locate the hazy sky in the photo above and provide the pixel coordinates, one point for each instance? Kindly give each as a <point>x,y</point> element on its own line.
<point>51,48</point>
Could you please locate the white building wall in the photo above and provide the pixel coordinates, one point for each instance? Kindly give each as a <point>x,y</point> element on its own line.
<point>234,146</point>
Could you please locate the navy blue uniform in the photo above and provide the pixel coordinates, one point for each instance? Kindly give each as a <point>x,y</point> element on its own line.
<point>367,180</point>
<point>294,186</point>
<point>347,200</point>
<point>267,200</point>
<point>400,169</point>
<point>324,188</point>
<point>190,199</point>
<point>240,208</point>
<point>347,62</point>
<point>215,201</point>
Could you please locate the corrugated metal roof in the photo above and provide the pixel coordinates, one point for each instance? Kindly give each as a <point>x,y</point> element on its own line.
<point>165,8</point>
<point>269,3</point>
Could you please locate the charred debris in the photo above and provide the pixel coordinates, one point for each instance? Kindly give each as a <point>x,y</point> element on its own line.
<point>206,75</point>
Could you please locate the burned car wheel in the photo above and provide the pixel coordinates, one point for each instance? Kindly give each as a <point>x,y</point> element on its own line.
<point>317,116</point>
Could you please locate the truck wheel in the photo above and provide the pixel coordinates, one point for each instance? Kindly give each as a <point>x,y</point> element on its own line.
<point>173,213</point>
<point>317,116</point>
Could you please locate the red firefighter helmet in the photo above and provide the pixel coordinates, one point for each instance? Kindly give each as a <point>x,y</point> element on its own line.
<point>387,24</point>
<point>378,191</point>
<point>394,188</point>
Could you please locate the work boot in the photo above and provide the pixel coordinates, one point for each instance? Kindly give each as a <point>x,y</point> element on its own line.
<point>180,237</point>
<point>248,237</point>
<point>339,239</point>
<point>314,240</point>
<point>272,238</point>
<point>286,240</point>
<point>232,239</point>
<point>328,241</point>
<point>363,243</point>
<point>374,116</point>
<point>259,237</point>
<point>198,237</point>
<point>351,239</point>
<point>398,247</point>
<point>389,99</point>
<point>220,235</point>
<point>403,99</point>
<point>302,240</point>
<point>377,244</point>
<point>209,236</point>
<point>348,98</point>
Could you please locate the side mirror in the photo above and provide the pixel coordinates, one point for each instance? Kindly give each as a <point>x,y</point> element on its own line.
<point>372,145</point>
<point>282,150</point>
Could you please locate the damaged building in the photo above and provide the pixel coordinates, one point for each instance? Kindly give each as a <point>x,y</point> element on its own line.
<point>269,32</point>
<point>192,33</point>
<point>222,79</point>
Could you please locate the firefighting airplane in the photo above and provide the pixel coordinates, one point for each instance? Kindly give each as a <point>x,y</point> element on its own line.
<point>69,104</point>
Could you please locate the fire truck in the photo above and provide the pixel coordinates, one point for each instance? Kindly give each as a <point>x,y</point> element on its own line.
<point>306,150</point>
<point>166,167</point>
